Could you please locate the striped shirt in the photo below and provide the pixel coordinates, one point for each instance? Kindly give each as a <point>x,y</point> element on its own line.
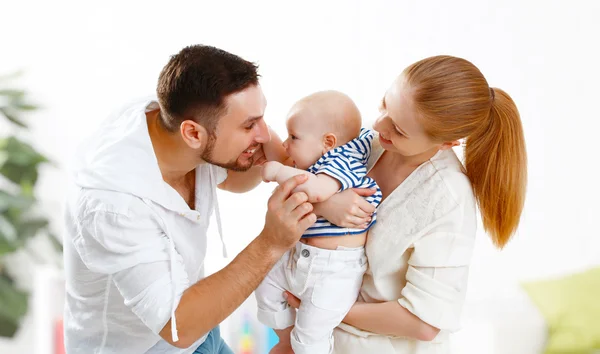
<point>348,165</point>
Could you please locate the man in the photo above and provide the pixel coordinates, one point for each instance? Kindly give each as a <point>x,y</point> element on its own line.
<point>138,210</point>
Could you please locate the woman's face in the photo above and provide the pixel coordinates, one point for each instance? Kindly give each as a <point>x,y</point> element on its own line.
<point>399,128</point>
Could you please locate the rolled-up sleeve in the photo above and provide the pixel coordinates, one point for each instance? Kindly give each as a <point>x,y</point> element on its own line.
<point>436,279</point>
<point>134,252</point>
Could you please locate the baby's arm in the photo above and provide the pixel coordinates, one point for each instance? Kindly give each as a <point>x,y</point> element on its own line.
<point>274,150</point>
<point>318,188</point>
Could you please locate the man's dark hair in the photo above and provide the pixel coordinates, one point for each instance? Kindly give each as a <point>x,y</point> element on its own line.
<point>195,82</point>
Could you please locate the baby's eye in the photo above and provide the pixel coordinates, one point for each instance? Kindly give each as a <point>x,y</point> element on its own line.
<point>293,137</point>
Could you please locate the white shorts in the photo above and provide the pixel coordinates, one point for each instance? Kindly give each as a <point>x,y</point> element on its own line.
<point>327,282</point>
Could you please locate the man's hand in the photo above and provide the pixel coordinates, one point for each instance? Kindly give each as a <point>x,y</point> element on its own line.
<point>288,216</point>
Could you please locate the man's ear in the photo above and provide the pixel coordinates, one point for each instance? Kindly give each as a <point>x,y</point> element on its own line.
<point>329,142</point>
<point>193,134</point>
<point>450,144</point>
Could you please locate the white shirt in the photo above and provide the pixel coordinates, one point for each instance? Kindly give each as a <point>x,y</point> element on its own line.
<point>419,253</point>
<point>132,244</point>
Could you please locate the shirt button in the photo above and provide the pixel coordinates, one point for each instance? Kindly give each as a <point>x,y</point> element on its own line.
<point>305,253</point>
<point>198,217</point>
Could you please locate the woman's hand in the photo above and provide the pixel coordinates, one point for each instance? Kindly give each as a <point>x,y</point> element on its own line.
<point>295,302</point>
<point>292,300</point>
<point>348,208</point>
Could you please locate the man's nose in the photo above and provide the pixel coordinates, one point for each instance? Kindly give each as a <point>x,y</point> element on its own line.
<point>263,135</point>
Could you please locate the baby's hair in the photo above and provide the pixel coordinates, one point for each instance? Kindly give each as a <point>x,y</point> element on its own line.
<point>338,111</point>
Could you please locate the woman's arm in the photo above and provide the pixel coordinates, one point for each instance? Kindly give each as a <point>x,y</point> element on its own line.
<point>389,318</point>
<point>347,208</point>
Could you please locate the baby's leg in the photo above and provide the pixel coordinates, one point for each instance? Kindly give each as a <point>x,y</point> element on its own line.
<point>330,295</point>
<point>273,309</point>
<point>284,346</point>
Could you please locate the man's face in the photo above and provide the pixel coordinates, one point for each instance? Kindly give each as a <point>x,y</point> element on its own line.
<point>240,132</point>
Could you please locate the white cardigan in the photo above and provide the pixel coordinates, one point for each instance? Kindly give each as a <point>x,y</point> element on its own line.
<point>419,253</point>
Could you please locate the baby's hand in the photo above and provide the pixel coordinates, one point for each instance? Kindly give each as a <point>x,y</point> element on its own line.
<point>270,170</point>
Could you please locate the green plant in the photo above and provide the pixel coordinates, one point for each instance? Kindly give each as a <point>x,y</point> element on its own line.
<point>19,220</point>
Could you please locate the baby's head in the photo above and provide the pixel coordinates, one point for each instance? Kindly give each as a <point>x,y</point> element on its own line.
<point>319,123</point>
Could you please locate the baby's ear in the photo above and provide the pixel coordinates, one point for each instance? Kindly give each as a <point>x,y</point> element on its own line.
<point>329,141</point>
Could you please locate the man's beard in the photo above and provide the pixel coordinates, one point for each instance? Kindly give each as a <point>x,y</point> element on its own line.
<point>232,165</point>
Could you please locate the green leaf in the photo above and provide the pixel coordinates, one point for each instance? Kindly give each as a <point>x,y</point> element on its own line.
<point>8,327</point>
<point>21,152</point>
<point>9,241</point>
<point>8,201</point>
<point>8,232</point>
<point>11,76</point>
<point>6,246</point>
<point>12,93</point>
<point>25,106</point>
<point>55,242</point>
<point>13,306</point>
<point>12,117</point>
<point>14,230</point>
<point>3,157</point>
<point>25,176</point>
<point>21,167</point>
<point>29,228</point>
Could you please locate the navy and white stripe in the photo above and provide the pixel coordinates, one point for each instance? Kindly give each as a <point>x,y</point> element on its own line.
<point>348,165</point>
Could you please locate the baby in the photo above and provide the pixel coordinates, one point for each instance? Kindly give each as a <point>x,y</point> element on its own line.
<point>325,269</point>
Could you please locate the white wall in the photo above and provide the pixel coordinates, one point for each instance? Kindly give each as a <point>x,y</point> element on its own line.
<point>83,60</point>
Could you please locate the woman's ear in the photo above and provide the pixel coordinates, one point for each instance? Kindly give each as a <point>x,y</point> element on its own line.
<point>329,142</point>
<point>450,144</point>
<point>193,134</point>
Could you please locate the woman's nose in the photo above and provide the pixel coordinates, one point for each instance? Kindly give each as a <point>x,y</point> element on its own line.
<point>378,124</point>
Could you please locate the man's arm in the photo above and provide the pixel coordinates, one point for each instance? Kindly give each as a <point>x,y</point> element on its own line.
<point>241,182</point>
<point>207,303</point>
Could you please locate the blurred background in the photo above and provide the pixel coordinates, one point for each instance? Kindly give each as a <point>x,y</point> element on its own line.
<point>65,65</point>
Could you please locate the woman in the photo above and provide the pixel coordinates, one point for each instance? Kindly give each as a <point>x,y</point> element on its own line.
<point>420,249</point>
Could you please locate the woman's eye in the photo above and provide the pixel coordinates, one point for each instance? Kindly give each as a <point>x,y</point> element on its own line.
<point>250,126</point>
